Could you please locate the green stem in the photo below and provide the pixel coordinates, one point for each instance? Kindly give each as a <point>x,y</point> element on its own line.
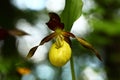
<point>72,68</point>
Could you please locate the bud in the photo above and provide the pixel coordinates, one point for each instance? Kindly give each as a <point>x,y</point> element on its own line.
<point>60,56</point>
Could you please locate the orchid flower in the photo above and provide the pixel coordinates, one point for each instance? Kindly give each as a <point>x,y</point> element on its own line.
<point>60,51</point>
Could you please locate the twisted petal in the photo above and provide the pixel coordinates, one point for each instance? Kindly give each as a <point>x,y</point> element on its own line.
<point>89,46</point>
<point>17,32</point>
<point>32,51</point>
<point>67,39</point>
<point>68,34</point>
<point>48,38</point>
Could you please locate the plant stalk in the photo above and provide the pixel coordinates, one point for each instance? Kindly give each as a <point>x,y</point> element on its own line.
<point>72,68</point>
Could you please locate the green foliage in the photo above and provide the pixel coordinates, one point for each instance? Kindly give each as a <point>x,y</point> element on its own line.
<point>5,67</point>
<point>72,11</point>
<point>111,27</point>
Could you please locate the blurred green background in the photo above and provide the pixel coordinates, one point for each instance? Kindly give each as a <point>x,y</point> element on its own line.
<point>102,18</point>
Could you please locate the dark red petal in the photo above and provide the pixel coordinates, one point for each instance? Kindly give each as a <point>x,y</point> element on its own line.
<point>89,46</point>
<point>53,25</point>
<point>54,17</point>
<point>48,38</point>
<point>3,34</point>
<point>54,22</point>
<point>68,34</point>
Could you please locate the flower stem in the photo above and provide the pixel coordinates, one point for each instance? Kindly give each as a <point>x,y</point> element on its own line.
<point>72,68</point>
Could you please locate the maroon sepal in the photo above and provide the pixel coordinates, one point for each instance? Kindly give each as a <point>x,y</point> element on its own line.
<point>54,22</point>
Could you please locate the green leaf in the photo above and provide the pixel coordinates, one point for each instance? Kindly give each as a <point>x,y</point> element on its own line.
<point>72,11</point>
<point>111,27</point>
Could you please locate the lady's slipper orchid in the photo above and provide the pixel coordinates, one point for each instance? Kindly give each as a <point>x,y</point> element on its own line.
<point>60,51</point>
<point>59,56</point>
